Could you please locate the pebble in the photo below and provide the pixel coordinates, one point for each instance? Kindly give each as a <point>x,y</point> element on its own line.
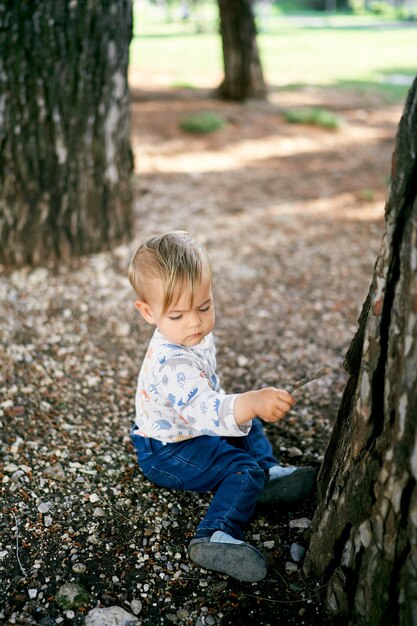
<point>79,568</point>
<point>32,593</point>
<point>219,587</point>
<point>99,512</point>
<point>291,567</point>
<point>44,507</point>
<point>72,596</point>
<point>297,552</point>
<point>111,616</point>
<point>294,452</point>
<point>136,606</point>
<point>10,468</point>
<point>302,523</point>
<point>55,472</point>
<point>269,544</point>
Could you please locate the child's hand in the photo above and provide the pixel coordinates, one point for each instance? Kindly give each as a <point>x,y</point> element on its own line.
<point>270,404</point>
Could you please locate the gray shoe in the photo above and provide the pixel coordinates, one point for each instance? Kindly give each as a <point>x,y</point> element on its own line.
<point>239,560</point>
<point>290,488</point>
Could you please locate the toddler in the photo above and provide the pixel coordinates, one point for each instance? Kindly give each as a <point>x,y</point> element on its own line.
<point>188,433</point>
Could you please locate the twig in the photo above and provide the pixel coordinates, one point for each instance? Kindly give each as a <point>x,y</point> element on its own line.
<point>308,379</point>
<point>17,545</point>
<point>282,578</point>
<point>314,595</point>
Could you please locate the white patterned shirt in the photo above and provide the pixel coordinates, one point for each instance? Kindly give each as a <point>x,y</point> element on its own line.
<point>179,395</point>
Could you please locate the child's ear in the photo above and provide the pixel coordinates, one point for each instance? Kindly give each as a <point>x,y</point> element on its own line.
<point>146,311</point>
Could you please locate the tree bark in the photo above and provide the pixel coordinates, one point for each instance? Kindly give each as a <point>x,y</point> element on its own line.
<point>242,65</point>
<point>364,534</point>
<point>65,156</point>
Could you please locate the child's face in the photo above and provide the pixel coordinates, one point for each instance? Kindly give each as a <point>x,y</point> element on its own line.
<point>184,323</point>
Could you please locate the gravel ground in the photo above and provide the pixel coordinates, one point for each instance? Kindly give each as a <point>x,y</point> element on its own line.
<point>292,267</point>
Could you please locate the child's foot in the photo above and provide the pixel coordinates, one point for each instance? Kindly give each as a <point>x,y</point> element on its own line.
<point>223,553</point>
<point>288,485</point>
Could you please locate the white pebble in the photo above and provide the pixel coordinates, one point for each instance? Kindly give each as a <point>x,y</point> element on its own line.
<point>44,507</point>
<point>98,512</point>
<point>302,523</point>
<point>136,606</point>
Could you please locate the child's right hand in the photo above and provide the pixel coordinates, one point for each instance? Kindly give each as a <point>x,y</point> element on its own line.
<point>270,404</point>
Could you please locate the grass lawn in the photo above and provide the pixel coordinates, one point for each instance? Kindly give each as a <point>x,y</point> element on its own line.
<point>346,51</point>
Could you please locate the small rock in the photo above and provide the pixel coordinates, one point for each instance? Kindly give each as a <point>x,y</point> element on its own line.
<point>79,568</point>
<point>219,587</point>
<point>301,523</point>
<point>72,596</point>
<point>10,468</point>
<point>32,593</point>
<point>111,616</point>
<point>47,520</point>
<point>18,410</point>
<point>291,567</point>
<point>269,544</point>
<point>209,620</point>
<point>297,552</point>
<point>99,512</point>
<point>294,452</point>
<point>94,498</point>
<point>44,507</point>
<point>121,329</point>
<point>182,613</point>
<point>136,606</point>
<point>242,360</point>
<point>55,472</point>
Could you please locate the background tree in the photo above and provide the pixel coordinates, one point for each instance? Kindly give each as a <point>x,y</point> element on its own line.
<point>242,66</point>
<point>65,157</point>
<point>364,541</point>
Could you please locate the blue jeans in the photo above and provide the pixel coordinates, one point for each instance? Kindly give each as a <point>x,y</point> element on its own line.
<point>234,468</point>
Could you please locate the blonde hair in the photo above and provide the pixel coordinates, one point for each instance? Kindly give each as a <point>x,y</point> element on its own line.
<point>176,259</point>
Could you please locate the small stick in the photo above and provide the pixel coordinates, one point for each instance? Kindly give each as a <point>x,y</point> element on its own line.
<point>309,379</point>
<point>17,545</point>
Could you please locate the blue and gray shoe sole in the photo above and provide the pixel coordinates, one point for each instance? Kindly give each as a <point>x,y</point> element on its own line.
<point>241,561</point>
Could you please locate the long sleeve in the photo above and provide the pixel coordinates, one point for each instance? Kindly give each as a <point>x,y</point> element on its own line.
<point>190,393</point>
<point>179,395</point>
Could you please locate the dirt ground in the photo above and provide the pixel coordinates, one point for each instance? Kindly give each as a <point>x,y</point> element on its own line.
<point>292,217</point>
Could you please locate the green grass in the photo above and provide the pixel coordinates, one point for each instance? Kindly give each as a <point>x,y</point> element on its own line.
<point>316,116</point>
<point>330,50</point>
<point>202,123</point>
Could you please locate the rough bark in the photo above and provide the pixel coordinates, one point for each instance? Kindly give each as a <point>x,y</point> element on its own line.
<point>364,541</point>
<point>65,157</point>
<point>242,65</point>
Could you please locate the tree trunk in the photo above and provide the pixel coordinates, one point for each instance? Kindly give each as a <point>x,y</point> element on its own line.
<point>364,541</point>
<point>242,65</point>
<point>65,156</point>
